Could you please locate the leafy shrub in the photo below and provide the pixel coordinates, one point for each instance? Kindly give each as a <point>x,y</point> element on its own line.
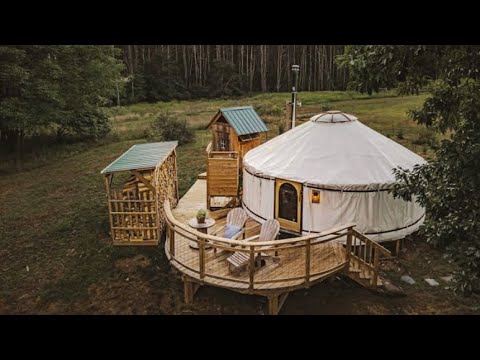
<point>91,124</point>
<point>326,107</point>
<point>273,110</point>
<point>427,137</point>
<point>400,134</point>
<point>170,128</point>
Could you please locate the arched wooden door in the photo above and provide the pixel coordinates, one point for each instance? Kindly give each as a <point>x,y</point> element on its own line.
<point>288,204</point>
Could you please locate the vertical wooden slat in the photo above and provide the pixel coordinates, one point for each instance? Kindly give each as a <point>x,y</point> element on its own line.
<point>307,263</point>
<point>151,208</point>
<point>107,185</point>
<point>130,218</point>
<point>138,233</point>
<point>151,197</point>
<point>143,206</point>
<point>123,233</point>
<point>354,245</point>
<point>360,245</point>
<point>201,245</point>
<point>365,251</point>
<point>154,217</point>
<point>370,260</point>
<point>116,217</point>
<point>157,214</point>
<point>132,210</point>
<point>252,266</point>
<point>174,154</point>
<point>171,237</point>
<point>148,209</point>
<point>375,268</point>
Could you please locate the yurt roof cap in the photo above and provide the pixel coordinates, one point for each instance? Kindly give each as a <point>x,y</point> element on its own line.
<point>333,116</point>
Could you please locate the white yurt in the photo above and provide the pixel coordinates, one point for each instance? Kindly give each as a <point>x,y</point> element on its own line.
<point>330,171</point>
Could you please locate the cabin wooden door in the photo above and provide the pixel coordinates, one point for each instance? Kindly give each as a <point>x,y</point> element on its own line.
<point>288,204</point>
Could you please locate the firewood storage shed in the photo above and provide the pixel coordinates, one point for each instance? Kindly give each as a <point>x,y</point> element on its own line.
<point>136,210</point>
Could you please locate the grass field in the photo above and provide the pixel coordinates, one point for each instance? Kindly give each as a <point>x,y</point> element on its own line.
<point>55,252</point>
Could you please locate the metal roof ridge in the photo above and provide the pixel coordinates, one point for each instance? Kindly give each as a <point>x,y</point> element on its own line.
<point>236,108</point>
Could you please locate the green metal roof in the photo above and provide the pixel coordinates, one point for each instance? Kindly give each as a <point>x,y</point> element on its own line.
<point>244,120</point>
<point>142,156</point>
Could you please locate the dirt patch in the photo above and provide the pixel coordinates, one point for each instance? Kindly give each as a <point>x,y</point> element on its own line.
<point>132,264</point>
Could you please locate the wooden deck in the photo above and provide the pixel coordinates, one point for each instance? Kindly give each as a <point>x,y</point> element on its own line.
<point>196,199</point>
<point>275,267</point>
<point>285,275</point>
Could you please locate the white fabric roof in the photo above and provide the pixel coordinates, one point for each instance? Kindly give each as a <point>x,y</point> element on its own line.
<point>335,154</point>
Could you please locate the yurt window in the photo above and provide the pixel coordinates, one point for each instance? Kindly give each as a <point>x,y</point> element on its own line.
<point>288,200</point>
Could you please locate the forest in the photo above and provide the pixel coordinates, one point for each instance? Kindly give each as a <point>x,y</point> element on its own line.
<point>91,102</point>
<point>164,72</point>
<point>52,93</point>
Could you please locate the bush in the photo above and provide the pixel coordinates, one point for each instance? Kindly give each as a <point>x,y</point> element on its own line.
<point>426,136</point>
<point>326,107</point>
<point>281,128</point>
<point>400,135</point>
<point>273,110</point>
<point>170,128</point>
<point>90,124</point>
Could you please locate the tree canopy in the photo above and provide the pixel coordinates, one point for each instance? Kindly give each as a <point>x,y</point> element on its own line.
<point>447,186</point>
<point>61,86</point>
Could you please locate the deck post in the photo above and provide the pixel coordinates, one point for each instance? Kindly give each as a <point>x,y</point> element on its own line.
<point>251,267</point>
<point>171,238</point>
<point>110,217</point>
<point>201,245</point>
<point>307,263</point>
<point>190,288</point>
<point>275,302</point>
<point>397,248</point>
<point>348,248</point>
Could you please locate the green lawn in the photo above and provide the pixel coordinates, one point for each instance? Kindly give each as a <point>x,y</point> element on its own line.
<point>55,252</point>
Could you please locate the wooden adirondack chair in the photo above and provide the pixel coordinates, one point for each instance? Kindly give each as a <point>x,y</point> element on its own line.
<point>236,217</point>
<point>268,232</point>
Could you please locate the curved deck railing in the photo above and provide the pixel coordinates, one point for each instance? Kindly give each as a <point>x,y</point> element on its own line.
<point>290,263</point>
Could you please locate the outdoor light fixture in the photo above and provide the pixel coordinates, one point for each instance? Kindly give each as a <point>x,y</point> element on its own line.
<point>315,196</point>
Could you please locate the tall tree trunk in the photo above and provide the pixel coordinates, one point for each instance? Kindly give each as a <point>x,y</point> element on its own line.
<point>19,151</point>
<point>263,67</point>
<point>279,66</point>
<point>185,67</point>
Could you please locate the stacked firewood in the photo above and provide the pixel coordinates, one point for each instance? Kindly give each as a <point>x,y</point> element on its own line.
<point>138,210</point>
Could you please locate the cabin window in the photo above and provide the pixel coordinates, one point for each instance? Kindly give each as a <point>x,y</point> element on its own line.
<point>288,202</point>
<point>223,144</point>
<point>222,141</point>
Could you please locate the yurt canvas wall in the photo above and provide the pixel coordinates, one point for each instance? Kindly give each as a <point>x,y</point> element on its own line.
<point>347,163</point>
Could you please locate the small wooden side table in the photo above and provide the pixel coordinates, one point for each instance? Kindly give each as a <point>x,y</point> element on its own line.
<point>203,228</point>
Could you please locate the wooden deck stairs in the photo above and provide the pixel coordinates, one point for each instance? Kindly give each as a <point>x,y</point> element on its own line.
<point>365,256</point>
<point>363,275</point>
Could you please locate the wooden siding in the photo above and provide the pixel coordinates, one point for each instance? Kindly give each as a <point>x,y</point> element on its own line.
<point>222,176</point>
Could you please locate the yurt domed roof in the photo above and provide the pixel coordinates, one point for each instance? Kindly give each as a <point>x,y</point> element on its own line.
<point>335,151</point>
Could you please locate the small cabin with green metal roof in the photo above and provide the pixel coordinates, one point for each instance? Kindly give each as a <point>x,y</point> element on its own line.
<point>236,129</point>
